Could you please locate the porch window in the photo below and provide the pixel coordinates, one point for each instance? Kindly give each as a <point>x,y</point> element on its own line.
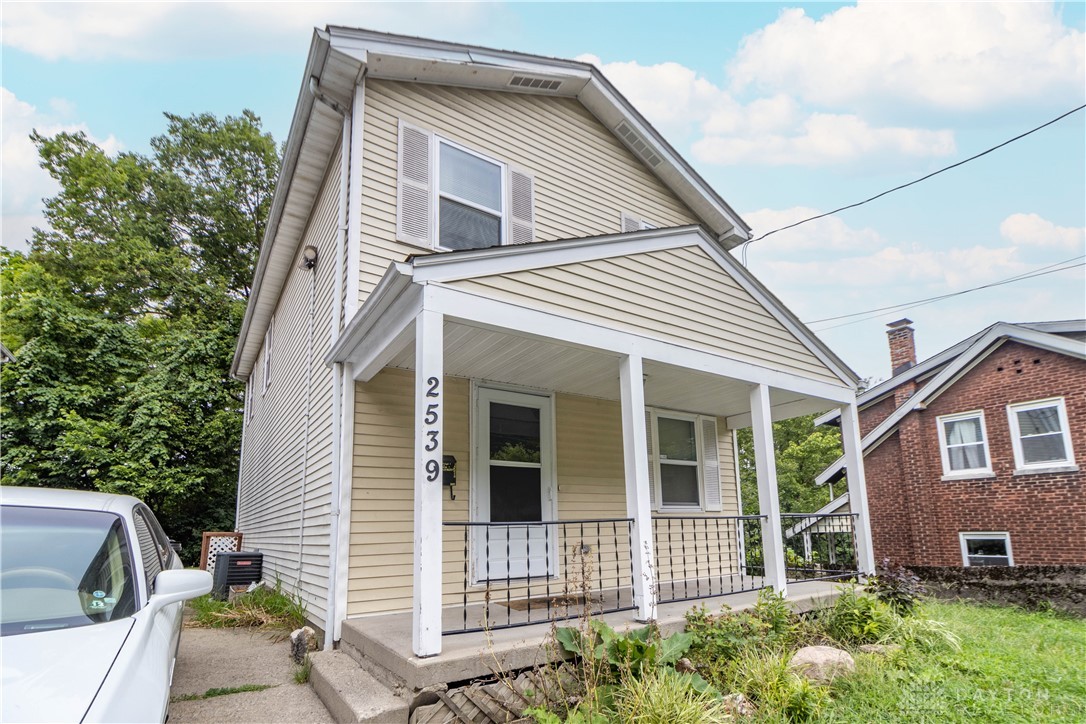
<point>678,461</point>
<point>986,549</point>
<point>1040,434</point>
<point>963,444</point>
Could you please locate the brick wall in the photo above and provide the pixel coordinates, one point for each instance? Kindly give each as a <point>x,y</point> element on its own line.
<point>916,516</point>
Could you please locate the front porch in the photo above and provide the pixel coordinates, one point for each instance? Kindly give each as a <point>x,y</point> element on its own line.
<point>381,644</point>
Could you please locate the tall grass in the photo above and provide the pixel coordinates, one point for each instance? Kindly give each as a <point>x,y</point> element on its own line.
<point>262,608</point>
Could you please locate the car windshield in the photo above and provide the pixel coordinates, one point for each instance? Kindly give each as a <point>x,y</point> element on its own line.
<point>62,568</point>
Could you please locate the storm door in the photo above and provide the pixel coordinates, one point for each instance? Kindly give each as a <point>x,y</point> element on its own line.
<point>514,485</point>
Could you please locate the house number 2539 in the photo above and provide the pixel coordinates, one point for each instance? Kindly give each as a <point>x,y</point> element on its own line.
<point>433,436</point>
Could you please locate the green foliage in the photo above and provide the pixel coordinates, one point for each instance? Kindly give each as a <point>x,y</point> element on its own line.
<point>857,619</point>
<point>303,672</point>
<point>635,650</point>
<point>665,695</point>
<point>261,608</point>
<point>222,691</point>
<point>802,452</point>
<point>123,318</point>
<point>776,690</point>
<point>716,638</point>
<point>573,716</point>
<point>898,587</point>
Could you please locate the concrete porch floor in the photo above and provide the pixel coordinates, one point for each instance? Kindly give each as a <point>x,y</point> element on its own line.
<point>382,644</point>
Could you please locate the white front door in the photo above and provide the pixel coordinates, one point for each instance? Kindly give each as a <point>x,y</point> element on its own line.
<point>514,485</point>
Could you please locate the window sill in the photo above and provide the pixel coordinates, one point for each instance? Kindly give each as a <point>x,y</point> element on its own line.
<point>671,511</point>
<point>1047,469</point>
<point>969,475</point>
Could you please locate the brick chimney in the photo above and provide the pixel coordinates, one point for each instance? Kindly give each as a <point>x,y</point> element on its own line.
<point>902,347</point>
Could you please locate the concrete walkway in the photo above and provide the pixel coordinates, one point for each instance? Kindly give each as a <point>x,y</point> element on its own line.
<point>222,658</point>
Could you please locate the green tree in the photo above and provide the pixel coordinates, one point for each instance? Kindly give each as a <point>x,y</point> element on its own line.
<point>802,451</point>
<point>123,318</point>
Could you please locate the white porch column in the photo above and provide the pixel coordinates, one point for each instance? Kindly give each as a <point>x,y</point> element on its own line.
<point>857,486</point>
<point>429,419</point>
<point>769,505</point>
<point>636,457</point>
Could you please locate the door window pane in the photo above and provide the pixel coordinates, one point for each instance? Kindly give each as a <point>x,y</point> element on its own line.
<point>515,494</point>
<point>514,433</point>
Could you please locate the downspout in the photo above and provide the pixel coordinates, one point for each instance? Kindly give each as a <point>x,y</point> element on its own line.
<point>309,263</point>
<point>245,414</point>
<point>335,513</point>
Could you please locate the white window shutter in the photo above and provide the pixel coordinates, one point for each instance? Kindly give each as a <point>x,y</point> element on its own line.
<point>630,223</point>
<point>652,459</point>
<point>414,205</point>
<point>710,465</point>
<point>521,207</point>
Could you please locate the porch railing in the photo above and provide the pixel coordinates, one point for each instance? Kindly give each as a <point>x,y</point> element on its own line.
<point>819,547</point>
<point>503,575</point>
<point>704,556</point>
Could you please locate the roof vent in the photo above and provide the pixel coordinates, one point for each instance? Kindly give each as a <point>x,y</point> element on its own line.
<point>527,81</point>
<point>637,144</point>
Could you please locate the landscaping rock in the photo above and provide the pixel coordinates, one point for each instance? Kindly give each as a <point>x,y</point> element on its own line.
<point>880,649</point>
<point>822,664</point>
<point>302,641</point>
<point>738,705</point>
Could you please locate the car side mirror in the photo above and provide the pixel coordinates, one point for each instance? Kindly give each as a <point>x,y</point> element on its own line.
<point>175,585</point>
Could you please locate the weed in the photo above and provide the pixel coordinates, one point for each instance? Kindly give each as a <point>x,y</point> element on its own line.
<point>261,608</point>
<point>898,587</point>
<point>775,688</point>
<point>858,619</point>
<point>665,695</point>
<point>301,674</point>
<point>225,691</point>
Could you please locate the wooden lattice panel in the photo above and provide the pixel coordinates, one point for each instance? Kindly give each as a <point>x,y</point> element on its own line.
<point>216,543</point>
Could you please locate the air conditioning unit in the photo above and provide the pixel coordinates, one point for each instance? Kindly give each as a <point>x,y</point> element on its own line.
<point>236,568</point>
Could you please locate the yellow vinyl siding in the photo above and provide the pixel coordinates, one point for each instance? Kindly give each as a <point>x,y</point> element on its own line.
<point>584,177</point>
<point>677,295</point>
<point>591,484</point>
<point>270,479</point>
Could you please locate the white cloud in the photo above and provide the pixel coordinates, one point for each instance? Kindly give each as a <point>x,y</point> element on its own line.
<point>97,31</point>
<point>773,130</point>
<point>25,183</point>
<point>1033,230</point>
<point>826,234</point>
<point>949,55</point>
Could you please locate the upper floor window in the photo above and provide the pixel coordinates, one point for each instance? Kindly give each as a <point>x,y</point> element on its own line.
<point>451,197</point>
<point>266,367</point>
<point>1040,434</point>
<point>963,444</point>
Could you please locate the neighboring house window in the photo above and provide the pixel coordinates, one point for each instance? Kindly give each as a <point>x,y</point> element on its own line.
<point>986,549</point>
<point>1040,434</point>
<point>964,444</point>
<point>684,462</point>
<point>266,371</point>
<point>633,223</point>
<point>249,399</point>
<point>451,197</point>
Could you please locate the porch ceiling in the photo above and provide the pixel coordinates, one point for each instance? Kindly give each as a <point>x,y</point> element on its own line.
<point>481,353</point>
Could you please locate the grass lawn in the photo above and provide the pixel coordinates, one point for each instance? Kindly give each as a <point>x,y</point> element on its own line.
<point>1014,666</point>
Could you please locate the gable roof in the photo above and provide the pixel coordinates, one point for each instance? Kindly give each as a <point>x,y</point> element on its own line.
<point>947,367</point>
<point>339,57</point>
<point>471,263</point>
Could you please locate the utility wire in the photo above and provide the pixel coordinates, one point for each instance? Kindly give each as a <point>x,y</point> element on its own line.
<point>913,182</point>
<point>871,313</point>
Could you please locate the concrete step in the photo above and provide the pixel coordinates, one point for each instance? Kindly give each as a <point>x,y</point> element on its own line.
<point>351,694</point>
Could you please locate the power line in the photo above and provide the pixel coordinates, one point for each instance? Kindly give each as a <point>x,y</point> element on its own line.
<point>913,182</point>
<point>871,313</point>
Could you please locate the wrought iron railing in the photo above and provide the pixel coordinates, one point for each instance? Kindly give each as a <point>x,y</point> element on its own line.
<point>503,575</point>
<point>704,556</point>
<point>818,547</point>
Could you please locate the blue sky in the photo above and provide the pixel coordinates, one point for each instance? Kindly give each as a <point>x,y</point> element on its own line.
<point>787,109</point>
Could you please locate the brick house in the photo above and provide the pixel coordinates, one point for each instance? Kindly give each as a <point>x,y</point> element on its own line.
<point>970,455</point>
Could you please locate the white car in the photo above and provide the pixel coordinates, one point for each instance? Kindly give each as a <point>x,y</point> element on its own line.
<point>90,607</point>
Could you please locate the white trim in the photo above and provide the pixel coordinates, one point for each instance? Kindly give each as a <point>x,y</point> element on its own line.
<point>636,472</point>
<point>1020,464</point>
<point>857,486</point>
<point>964,536</point>
<point>354,204</point>
<point>944,446</point>
<point>769,505</point>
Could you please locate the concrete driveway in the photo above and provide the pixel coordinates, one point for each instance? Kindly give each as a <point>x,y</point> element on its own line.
<point>228,658</point>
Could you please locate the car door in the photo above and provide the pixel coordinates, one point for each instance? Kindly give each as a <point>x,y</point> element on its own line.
<point>158,556</point>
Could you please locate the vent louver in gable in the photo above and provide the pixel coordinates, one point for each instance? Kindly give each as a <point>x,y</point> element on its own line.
<point>637,144</point>
<point>526,81</point>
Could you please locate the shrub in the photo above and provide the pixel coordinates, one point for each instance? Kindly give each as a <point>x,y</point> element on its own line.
<point>722,636</point>
<point>898,587</point>
<point>776,689</point>
<point>858,619</point>
<point>665,695</point>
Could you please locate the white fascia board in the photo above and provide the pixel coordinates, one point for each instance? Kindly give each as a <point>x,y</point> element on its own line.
<point>454,266</point>
<point>782,314</point>
<point>827,509</point>
<point>505,316</point>
<point>394,282</point>
<point>1062,326</point>
<point>262,304</point>
<point>783,411</point>
<point>390,333</point>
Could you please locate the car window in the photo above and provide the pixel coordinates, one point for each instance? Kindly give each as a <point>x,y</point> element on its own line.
<point>162,541</point>
<point>149,552</point>
<point>62,569</point>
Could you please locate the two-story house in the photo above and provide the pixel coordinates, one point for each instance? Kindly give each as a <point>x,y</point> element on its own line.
<point>971,454</point>
<point>496,351</point>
